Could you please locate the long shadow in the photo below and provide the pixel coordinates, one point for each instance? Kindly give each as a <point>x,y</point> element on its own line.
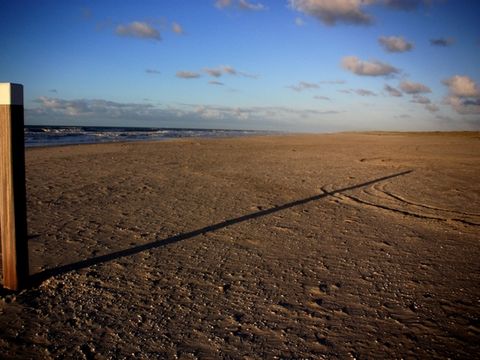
<point>41,276</point>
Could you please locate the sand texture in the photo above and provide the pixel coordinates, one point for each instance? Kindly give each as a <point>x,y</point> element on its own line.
<point>315,246</point>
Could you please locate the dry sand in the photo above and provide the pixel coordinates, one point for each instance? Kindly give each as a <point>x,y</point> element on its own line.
<point>348,246</point>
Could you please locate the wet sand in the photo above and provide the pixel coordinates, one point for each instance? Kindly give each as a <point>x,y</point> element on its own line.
<point>312,246</point>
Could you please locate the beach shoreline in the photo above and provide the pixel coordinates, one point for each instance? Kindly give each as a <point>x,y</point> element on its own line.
<point>299,245</point>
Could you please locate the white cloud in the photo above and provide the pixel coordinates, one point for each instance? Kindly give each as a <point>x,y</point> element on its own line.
<point>410,87</point>
<point>464,106</point>
<point>187,75</point>
<point>395,43</point>
<point>303,85</point>
<point>462,86</point>
<point>319,97</point>
<point>464,94</point>
<point>332,11</point>
<point>245,5</point>
<point>177,28</point>
<point>367,68</point>
<point>138,29</point>
<point>392,91</point>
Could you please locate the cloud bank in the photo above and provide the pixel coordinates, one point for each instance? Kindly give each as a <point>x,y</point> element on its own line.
<point>100,111</point>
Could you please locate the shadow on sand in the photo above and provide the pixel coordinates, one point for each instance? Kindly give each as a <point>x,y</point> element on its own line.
<point>36,279</point>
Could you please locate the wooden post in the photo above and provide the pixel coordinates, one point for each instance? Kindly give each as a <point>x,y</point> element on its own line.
<point>13,219</point>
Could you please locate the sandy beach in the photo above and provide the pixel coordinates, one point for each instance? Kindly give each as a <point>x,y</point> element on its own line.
<point>303,246</point>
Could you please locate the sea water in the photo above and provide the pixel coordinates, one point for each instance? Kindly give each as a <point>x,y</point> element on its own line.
<point>73,135</point>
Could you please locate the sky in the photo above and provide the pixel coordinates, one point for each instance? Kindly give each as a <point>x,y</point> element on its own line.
<point>285,65</point>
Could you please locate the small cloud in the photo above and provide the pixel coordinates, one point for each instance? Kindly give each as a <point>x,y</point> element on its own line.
<point>187,75</point>
<point>462,86</point>
<point>443,42</point>
<point>368,68</point>
<point>299,21</point>
<point>303,85</point>
<point>53,91</point>
<point>177,28</point>
<point>223,3</point>
<point>214,82</point>
<point>432,108</point>
<point>463,106</point>
<point>245,5</point>
<point>332,12</point>
<point>410,87</point>
<point>227,69</point>
<point>152,71</point>
<point>464,94</point>
<point>332,82</point>
<point>395,44</point>
<point>403,116</point>
<point>361,92</point>
<point>214,72</point>
<point>138,29</point>
<point>364,92</point>
<point>392,91</point>
<point>319,97</point>
<point>419,99</point>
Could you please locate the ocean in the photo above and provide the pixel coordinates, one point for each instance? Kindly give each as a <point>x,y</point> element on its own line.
<point>73,135</point>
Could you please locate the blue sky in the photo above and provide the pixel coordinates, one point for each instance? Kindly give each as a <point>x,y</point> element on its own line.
<point>294,65</point>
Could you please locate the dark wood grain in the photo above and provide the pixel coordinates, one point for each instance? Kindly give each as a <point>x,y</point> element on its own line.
<point>13,224</point>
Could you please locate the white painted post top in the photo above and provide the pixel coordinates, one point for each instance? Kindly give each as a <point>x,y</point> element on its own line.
<point>11,94</point>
